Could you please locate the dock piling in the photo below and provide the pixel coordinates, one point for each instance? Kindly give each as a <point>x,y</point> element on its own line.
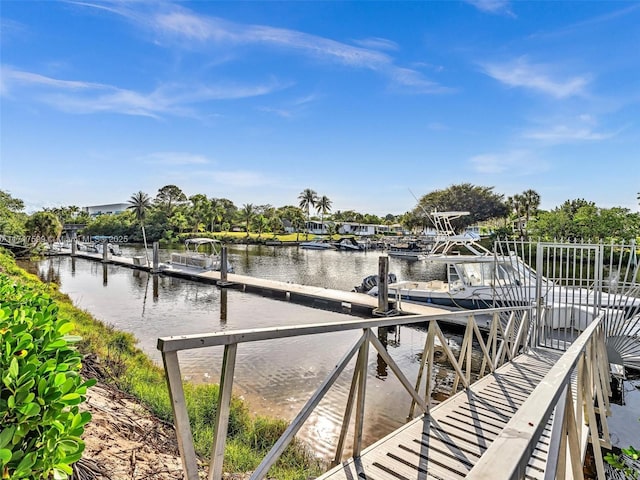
<point>105,251</point>
<point>74,247</point>
<point>384,308</point>
<point>223,268</point>
<point>156,257</point>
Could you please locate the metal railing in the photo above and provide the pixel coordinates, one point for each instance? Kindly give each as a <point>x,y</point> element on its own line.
<point>509,334</point>
<point>586,360</point>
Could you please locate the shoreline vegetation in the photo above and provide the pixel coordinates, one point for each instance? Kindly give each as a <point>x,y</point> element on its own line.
<point>125,373</point>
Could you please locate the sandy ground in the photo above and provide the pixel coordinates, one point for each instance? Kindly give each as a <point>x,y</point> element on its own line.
<point>124,440</point>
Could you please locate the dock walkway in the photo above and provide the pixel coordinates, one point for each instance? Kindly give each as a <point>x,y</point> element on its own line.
<point>290,291</point>
<point>447,443</point>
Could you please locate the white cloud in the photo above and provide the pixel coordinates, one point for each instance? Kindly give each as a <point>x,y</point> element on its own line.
<point>17,77</point>
<point>177,23</point>
<point>87,97</point>
<point>513,163</point>
<point>540,77</point>
<point>565,134</point>
<point>500,7</point>
<point>377,43</point>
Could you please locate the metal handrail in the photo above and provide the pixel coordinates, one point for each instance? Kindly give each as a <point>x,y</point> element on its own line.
<point>554,394</point>
<point>502,344</point>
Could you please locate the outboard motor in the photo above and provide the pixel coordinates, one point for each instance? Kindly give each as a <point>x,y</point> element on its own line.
<point>370,284</point>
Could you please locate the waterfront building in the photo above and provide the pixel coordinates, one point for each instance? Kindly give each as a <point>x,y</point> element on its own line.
<point>95,210</point>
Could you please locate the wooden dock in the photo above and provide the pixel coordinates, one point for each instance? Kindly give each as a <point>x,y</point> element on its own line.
<point>331,299</point>
<point>447,443</point>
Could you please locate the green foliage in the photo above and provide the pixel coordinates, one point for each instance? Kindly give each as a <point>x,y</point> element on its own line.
<point>135,373</point>
<point>579,219</point>
<point>481,202</point>
<point>44,225</point>
<point>168,197</point>
<point>620,463</point>
<point>41,386</point>
<point>12,219</point>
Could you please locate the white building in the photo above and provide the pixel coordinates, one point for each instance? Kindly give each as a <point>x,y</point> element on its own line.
<point>95,210</point>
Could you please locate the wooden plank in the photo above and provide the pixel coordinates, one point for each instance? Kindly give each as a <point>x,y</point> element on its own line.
<point>449,442</point>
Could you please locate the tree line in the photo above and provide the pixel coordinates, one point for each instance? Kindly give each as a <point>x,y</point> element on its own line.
<point>171,214</point>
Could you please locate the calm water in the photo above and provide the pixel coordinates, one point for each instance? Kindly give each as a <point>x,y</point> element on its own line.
<point>275,377</point>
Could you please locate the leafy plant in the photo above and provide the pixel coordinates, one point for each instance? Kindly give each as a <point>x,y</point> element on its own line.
<point>41,388</point>
<point>618,461</point>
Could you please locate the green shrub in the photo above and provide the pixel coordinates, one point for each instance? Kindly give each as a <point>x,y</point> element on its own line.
<point>41,387</point>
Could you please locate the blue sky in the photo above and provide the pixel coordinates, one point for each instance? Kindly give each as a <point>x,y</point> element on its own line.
<point>360,101</point>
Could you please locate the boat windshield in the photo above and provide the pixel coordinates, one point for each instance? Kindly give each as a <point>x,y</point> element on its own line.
<point>489,273</point>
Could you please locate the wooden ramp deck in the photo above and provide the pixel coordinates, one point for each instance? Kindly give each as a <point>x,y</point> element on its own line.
<point>447,443</point>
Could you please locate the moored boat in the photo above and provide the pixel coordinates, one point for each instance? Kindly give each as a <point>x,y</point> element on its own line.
<point>194,258</point>
<point>317,245</point>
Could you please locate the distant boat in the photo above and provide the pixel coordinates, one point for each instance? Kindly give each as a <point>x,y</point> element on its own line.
<point>318,245</point>
<point>349,243</point>
<point>194,258</point>
<point>482,279</point>
<point>409,250</point>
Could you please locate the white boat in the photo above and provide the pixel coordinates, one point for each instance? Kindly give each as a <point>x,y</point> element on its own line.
<point>195,258</point>
<point>349,243</point>
<point>482,279</point>
<point>114,248</point>
<point>317,245</point>
<point>410,250</point>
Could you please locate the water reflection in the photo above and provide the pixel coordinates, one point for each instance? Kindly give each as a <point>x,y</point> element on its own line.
<point>223,306</point>
<point>156,283</point>
<point>276,377</point>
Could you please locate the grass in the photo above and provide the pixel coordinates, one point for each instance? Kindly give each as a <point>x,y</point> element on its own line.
<point>132,371</point>
<point>238,237</point>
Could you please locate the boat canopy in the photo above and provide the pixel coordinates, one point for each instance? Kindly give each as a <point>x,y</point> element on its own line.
<point>202,241</point>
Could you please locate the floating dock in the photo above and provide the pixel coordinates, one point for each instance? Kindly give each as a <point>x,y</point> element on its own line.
<point>319,297</point>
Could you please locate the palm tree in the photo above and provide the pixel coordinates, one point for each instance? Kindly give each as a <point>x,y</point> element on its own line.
<point>531,202</point>
<point>44,225</point>
<point>323,206</point>
<point>308,199</point>
<point>141,202</point>
<point>246,214</point>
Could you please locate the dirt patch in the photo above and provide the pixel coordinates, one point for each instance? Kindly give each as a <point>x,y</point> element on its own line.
<point>124,440</point>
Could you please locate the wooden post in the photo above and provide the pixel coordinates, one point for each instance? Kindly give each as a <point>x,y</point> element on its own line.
<point>155,288</point>
<point>383,288</point>
<point>105,250</point>
<point>156,257</point>
<point>74,246</point>
<point>224,263</point>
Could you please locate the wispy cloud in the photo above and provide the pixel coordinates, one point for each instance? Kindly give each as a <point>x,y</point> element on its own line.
<point>497,7</point>
<point>377,43</point>
<point>590,23</point>
<point>513,163</point>
<point>567,134</point>
<point>293,108</point>
<point>76,96</point>
<point>539,77</point>
<point>176,23</point>
<point>175,158</point>
<point>575,129</point>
